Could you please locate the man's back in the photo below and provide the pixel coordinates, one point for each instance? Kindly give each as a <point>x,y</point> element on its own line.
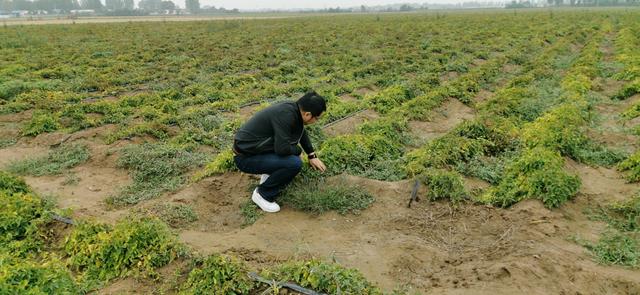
<point>275,129</point>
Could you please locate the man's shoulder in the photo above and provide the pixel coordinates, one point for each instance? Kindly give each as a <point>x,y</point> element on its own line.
<point>283,107</point>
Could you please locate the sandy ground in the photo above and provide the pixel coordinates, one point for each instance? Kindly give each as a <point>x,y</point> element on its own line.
<point>433,246</point>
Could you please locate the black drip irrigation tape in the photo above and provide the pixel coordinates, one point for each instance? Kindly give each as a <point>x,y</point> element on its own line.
<point>343,118</point>
<point>291,286</point>
<point>57,217</point>
<point>251,103</point>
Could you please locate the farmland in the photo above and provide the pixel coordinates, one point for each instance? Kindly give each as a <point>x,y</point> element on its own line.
<point>519,127</point>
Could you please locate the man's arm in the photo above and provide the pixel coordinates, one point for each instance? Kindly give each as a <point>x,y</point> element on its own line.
<point>314,161</point>
<point>305,142</point>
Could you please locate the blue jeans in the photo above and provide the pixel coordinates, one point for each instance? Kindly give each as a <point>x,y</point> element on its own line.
<point>282,170</point>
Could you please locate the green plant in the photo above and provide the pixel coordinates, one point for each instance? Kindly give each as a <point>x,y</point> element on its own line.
<point>7,142</point>
<point>58,159</point>
<point>394,129</point>
<point>538,173</point>
<point>71,179</point>
<point>40,122</point>
<point>560,129</point>
<point>323,277</point>
<point>597,154</point>
<point>155,129</point>
<point>223,162</point>
<point>632,166</point>
<point>617,248</point>
<point>628,90</point>
<point>498,134</point>
<point>28,276</point>
<point>156,168</point>
<point>421,106</point>
<point>623,216</point>
<point>318,196</point>
<point>444,184</point>
<point>22,217</point>
<point>632,112</point>
<point>175,215</point>
<point>218,274</point>
<point>356,153</point>
<point>388,98</point>
<point>489,169</point>
<point>620,244</point>
<point>448,150</point>
<point>250,213</point>
<point>133,246</point>
<point>11,184</point>
<point>507,102</point>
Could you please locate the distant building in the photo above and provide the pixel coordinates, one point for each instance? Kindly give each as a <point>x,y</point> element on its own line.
<point>20,13</point>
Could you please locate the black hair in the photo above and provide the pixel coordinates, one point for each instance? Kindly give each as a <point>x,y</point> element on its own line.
<point>312,102</point>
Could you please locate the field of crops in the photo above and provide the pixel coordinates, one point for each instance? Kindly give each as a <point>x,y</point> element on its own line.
<point>520,129</point>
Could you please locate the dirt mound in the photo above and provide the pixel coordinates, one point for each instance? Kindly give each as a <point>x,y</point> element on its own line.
<point>614,131</point>
<point>482,96</point>
<point>434,246</point>
<point>216,200</point>
<point>449,76</point>
<point>608,87</point>
<point>85,187</point>
<point>608,184</point>
<point>366,90</point>
<point>348,98</point>
<point>20,152</point>
<point>445,118</point>
<point>350,125</point>
<point>17,117</point>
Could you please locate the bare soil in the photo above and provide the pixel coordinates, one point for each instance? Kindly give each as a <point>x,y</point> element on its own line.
<point>445,118</point>
<point>434,247</point>
<point>350,125</point>
<point>613,130</point>
<point>448,76</point>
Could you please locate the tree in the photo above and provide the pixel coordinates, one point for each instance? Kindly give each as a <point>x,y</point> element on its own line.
<point>66,5</point>
<point>6,5</point>
<point>46,5</point>
<point>193,6</point>
<point>128,4</point>
<point>150,5</point>
<point>22,5</point>
<point>114,4</point>
<point>167,5</point>
<point>91,4</point>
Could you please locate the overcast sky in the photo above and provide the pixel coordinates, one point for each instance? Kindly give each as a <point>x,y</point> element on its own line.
<point>284,4</point>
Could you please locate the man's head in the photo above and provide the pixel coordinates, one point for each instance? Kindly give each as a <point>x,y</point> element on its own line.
<point>311,105</point>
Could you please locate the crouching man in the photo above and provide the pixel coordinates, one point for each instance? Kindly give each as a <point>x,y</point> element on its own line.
<point>267,144</point>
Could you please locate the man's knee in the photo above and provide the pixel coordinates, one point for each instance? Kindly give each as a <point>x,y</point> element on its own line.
<point>294,163</point>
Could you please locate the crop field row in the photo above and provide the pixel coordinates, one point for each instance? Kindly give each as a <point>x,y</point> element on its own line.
<point>520,129</point>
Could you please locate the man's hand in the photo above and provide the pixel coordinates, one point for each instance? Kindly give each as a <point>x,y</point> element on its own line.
<point>317,164</point>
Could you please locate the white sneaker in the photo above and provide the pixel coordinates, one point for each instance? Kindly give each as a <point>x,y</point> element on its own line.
<point>265,205</point>
<point>263,178</point>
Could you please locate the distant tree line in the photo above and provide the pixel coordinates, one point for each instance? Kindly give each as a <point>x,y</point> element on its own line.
<point>108,7</point>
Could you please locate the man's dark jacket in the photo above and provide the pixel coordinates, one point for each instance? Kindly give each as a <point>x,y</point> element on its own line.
<point>277,129</point>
